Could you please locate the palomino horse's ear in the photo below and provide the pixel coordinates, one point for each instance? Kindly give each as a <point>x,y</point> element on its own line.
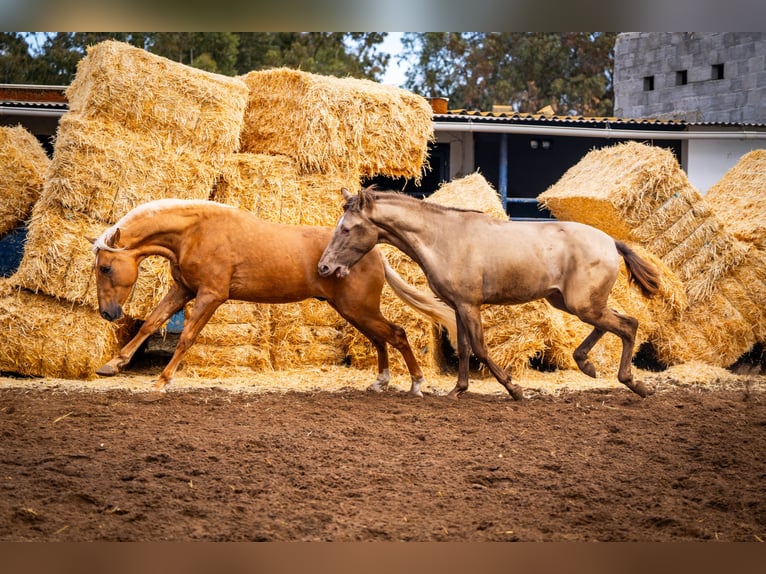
<point>113,239</point>
<point>91,240</point>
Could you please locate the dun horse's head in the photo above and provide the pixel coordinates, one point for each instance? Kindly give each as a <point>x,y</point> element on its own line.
<point>353,237</point>
<point>116,273</point>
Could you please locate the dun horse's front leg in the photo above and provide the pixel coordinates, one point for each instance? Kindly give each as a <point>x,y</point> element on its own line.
<point>171,303</point>
<point>470,329</point>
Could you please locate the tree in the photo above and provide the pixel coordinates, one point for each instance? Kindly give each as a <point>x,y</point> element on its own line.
<point>571,72</point>
<point>329,53</point>
<point>229,53</point>
<point>16,62</point>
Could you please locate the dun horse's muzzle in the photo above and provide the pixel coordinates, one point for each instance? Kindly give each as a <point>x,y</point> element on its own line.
<point>325,270</point>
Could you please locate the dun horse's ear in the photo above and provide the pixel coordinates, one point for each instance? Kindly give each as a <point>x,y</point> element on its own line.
<point>345,193</point>
<point>114,238</point>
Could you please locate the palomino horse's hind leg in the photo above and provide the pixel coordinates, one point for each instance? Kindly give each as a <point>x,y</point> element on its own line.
<point>171,303</point>
<point>371,323</point>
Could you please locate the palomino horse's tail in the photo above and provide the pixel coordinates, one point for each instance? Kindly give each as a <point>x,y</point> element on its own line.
<point>423,301</point>
<point>641,272</point>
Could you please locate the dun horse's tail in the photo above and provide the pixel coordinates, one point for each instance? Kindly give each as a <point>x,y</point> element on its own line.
<point>641,272</point>
<point>423,301</point>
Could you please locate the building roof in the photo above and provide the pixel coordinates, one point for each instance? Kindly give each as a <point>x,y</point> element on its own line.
<point>52,101</point>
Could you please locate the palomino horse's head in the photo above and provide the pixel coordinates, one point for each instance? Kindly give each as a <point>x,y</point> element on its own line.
<point>116,273</point>
<point>354,235</point>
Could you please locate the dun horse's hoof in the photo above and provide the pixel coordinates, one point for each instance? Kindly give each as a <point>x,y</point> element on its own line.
<point>641,389</point>
<point>516,392</point>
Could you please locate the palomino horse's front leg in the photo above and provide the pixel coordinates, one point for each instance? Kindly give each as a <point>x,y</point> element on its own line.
<point>171,303</point>
<point>204,307</point>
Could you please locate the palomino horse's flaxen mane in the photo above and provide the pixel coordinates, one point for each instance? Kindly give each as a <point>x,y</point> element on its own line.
<point>147,210</point>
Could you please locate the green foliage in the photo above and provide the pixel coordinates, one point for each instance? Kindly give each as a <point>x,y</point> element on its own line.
<point>54,61</point>
<point>570,71</point>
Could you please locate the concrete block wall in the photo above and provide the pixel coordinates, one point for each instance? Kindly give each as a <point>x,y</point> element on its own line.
<point>738,97</point>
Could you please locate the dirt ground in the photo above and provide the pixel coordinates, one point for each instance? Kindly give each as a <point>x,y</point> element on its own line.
<point>245,461</point>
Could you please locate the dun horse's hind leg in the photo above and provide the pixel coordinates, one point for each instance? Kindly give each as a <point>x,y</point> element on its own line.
<point>625,327</point>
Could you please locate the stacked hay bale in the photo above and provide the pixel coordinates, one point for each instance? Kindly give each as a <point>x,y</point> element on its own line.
<point>738,200</point>
<point>139,127</point>
<point>638,193</point>
<point>304,138</point>
<point>22,166</point>
<point>354,127</point>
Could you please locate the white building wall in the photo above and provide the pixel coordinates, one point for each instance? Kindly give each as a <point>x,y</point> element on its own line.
<point>707,161</point>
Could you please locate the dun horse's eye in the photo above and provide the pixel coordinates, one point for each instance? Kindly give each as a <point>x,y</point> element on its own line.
<point>344,229</point>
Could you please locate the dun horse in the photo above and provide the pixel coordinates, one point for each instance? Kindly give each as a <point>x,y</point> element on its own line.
<point>471,259</point>
<point>218,253</point>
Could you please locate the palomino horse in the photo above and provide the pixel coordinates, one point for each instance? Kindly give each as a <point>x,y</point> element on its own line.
<point>471,259</point>
<point>218,253</point>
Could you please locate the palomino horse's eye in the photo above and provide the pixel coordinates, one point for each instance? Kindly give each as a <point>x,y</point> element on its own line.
<point>105,269</point>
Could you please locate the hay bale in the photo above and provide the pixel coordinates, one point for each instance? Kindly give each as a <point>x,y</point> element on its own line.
<point>739,201</point>
<point>58,261</point>
<point>352,127</point>
<point>271,187</point>
<point>102,170</point>
<point>188,108</point>
<point>22,167</point>
<point>616,188</point>
<point>236,340</point>
<point>40,336</point>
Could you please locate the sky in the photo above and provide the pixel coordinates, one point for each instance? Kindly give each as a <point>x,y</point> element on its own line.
<point>395,73</point>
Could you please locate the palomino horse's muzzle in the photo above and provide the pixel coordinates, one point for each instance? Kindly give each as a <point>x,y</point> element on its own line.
<point>112,312</point>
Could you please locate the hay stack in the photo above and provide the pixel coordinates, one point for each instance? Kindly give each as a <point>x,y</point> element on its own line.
<point>139,127</point>
<point>331,125</point>
<point>40,336</point>
<point>739,198</point>
<point>22,165</point>
<point>616,188</point>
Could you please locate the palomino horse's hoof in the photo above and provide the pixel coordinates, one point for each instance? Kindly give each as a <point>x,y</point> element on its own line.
<point>107,370</point>
<point>153,396</point>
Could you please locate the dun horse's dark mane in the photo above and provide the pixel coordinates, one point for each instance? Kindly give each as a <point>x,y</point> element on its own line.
<point>373,193</point>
